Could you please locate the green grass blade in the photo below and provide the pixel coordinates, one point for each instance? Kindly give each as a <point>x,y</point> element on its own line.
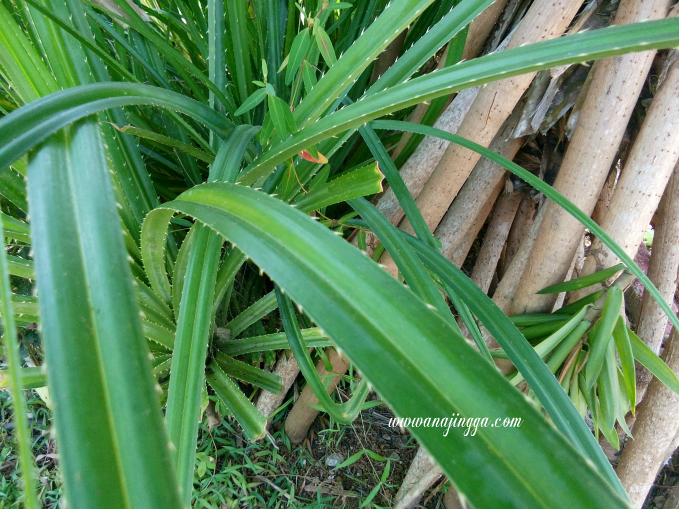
<point>574,307</point>
<point>31,378</point>
<point>255,312</point>
<point>21,433</point>
<point>24,128</point>
<point>15,229</point>
<point>530,319</point>
<point>393,20</point>
<point>20,267</point>
<point>240,48</point>
<point>13,187</point>
<point>408,263</point>
<point>343,413</point>
<point>607,388</point>
<point>21,64</point>
<point>397,185</point>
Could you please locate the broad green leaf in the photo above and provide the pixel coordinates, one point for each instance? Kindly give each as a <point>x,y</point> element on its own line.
<point>372,312</point>
<point>362,182</point>
<point>279,111</point>
<point>231,153</point>
<point>190,349</point>
<point>325,46</point>
<point>624,348</point>
<point>299,48</point>
<point>652,362</point>
<point>599,342</point>
<point>584,281</point>
<point>253,100</point>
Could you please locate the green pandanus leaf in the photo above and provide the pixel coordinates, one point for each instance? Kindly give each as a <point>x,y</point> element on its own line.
<point>368,313</point>
<point>98,369</point>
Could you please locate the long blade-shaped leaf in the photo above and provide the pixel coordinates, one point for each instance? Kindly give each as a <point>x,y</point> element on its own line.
<point>98,369</point>
<point>24,128</point>
<point>368,313</point>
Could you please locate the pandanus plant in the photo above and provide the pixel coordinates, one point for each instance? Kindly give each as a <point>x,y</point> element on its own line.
<point>161,151</point>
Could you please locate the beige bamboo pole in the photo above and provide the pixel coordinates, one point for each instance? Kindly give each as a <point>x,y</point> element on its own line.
<point>463,221</point>
<point>544,20</point>
<point>452,499</point>
<point>287,368</point>
<point>302,415</point>
<point>612,94</point>
<point>419,166</point>
<point>520,228</point>
<point>423,472</point>
<point>662,271</point>
<point>651,161</point>
<point>494,240</point>
<point>654,430</point>
<point>469,211</point>
<point>479,29</point>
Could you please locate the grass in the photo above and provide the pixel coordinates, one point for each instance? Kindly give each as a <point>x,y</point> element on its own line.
<point>232,472</point>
